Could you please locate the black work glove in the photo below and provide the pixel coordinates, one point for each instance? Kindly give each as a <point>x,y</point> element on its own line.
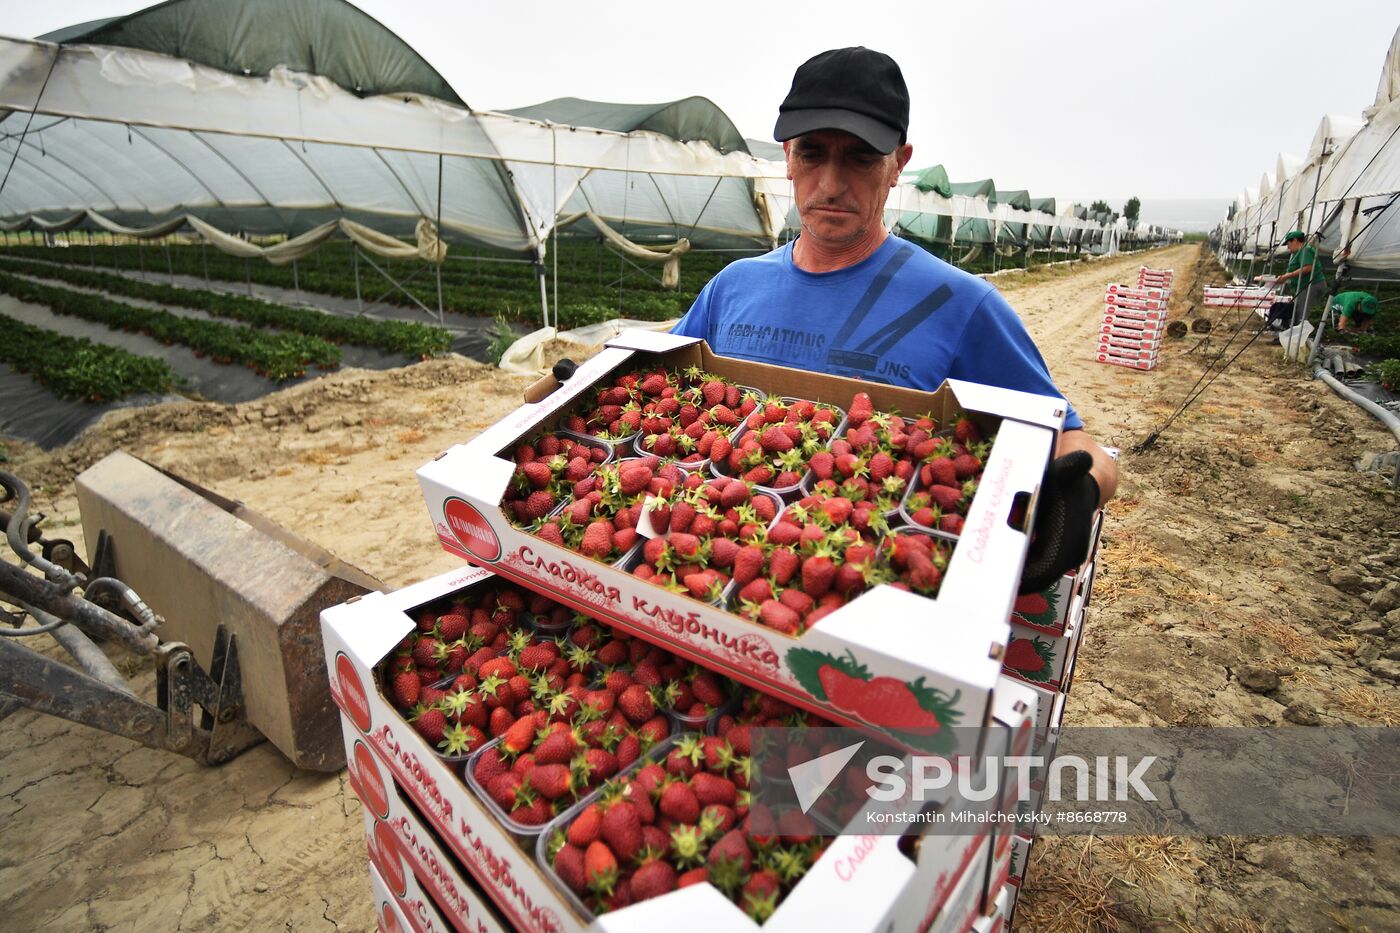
<point>564,369</point>
<point>1069,497</point>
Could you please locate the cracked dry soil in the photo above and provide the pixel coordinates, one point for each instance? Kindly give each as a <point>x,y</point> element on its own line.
<point>1216,562</point>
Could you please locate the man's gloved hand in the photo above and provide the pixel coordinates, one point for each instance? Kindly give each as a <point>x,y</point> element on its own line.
<point>1069,497</point>
<point>564,369</point>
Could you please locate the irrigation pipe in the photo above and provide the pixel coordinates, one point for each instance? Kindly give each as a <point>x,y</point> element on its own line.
<point>1387,417</point>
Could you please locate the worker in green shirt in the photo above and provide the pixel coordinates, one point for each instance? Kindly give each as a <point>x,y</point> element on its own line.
<point>1306,270</point>
<point>1355,310</point>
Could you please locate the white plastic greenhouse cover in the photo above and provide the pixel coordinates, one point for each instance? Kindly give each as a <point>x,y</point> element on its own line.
<point>138,135</point>
<point>1347,189</point>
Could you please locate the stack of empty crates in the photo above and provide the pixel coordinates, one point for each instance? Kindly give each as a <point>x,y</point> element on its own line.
<point>1134,319</point>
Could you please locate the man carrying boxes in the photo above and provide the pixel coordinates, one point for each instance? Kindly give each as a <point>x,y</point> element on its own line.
<point>847,298</point>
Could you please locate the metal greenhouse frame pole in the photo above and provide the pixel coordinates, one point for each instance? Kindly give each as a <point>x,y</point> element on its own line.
<point>438,264</point>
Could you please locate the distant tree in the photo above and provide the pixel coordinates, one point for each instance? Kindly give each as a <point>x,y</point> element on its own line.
<point>1132,208</point>
<point>1100,207</point>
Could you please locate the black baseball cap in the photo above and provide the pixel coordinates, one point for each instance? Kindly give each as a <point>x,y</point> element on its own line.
<point>857,90</point>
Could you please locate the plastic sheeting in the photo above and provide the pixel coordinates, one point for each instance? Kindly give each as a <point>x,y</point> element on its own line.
<point>428,246</point>
<point>526,356</point>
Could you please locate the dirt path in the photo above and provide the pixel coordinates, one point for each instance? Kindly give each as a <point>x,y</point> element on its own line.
<point>1217,565</point>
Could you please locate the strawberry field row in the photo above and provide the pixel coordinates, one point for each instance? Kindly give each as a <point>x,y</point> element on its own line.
<point>587,273</point>
<point>73,367</point>
<point>277,356</point>
<point>412,339</point>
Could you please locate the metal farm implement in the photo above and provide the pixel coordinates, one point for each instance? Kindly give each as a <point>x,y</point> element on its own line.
<point>216,581</point>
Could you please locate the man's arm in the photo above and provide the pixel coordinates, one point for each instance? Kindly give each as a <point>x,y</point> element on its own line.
<point>1105,468</point>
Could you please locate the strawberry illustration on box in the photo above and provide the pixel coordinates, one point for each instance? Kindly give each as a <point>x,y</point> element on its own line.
<point>1039,659</point>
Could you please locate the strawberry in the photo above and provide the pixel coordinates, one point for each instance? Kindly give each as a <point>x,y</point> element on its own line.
<point>425,652</point>
<point>694,876</point>
<point>405,689</point>
<point>759,896</point>
<point>678,802</point>
<point>818,572</point>
<point>881,467</point>
<point>653,878</point>
<point>860,409</point>
<point>966,466</point>
<point>550,781</point>
<point>707,688</point>
<point>783,564</point>
<point>559,748</point>
<point>947,498</point>
<point>775,440</point>
<point>735,494</point>
<point>723,551</point>
<point>838,509</point>
<point>500,720</point>
<point>452,626</point>
<point>748,564</point>
<point>599,868</point>
<point>569,866</point>
<point>682,515</point>
<point>654,384</point>
<point>636,704</point>
<point>537,474</point>
<point>711,789</point>
<point>585,827</point>
<point>798,601</point>
<point>621,829</point>
<point>966,431</point>
<point>731,849</point>
<point>778,617</point>
<point>432,725</point>
<point>597,540</point>
<point>685,546</point>
<point>520,736</point>
<point>823,465</point>
<point>756,591</point>
<point>633,477</point>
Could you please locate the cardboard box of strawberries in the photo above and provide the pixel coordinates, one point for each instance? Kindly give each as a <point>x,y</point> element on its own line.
<point>774,551</point>
<point>584,719</point>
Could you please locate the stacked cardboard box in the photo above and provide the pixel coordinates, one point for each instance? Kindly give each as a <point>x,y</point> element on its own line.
<point>1134,320</point>
<point>1154,278</point>
<point>1046,632</point>
<point>447,856</point>
<point>1239,296</point>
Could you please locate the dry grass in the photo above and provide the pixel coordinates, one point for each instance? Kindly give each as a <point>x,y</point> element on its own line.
<point>1295,644</point>
<point>1065,892</point>
<point>1222,925</point>
<point>1150,860</point>
<point>411,436</point>
<point>1365,703</point>
<point>1129,557</point>
<point>1120,506</point>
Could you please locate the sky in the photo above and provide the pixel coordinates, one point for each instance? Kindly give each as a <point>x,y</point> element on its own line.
<point>1070,99</point>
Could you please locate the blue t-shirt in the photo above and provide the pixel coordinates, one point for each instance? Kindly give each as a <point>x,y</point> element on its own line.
<point>901,316</point>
